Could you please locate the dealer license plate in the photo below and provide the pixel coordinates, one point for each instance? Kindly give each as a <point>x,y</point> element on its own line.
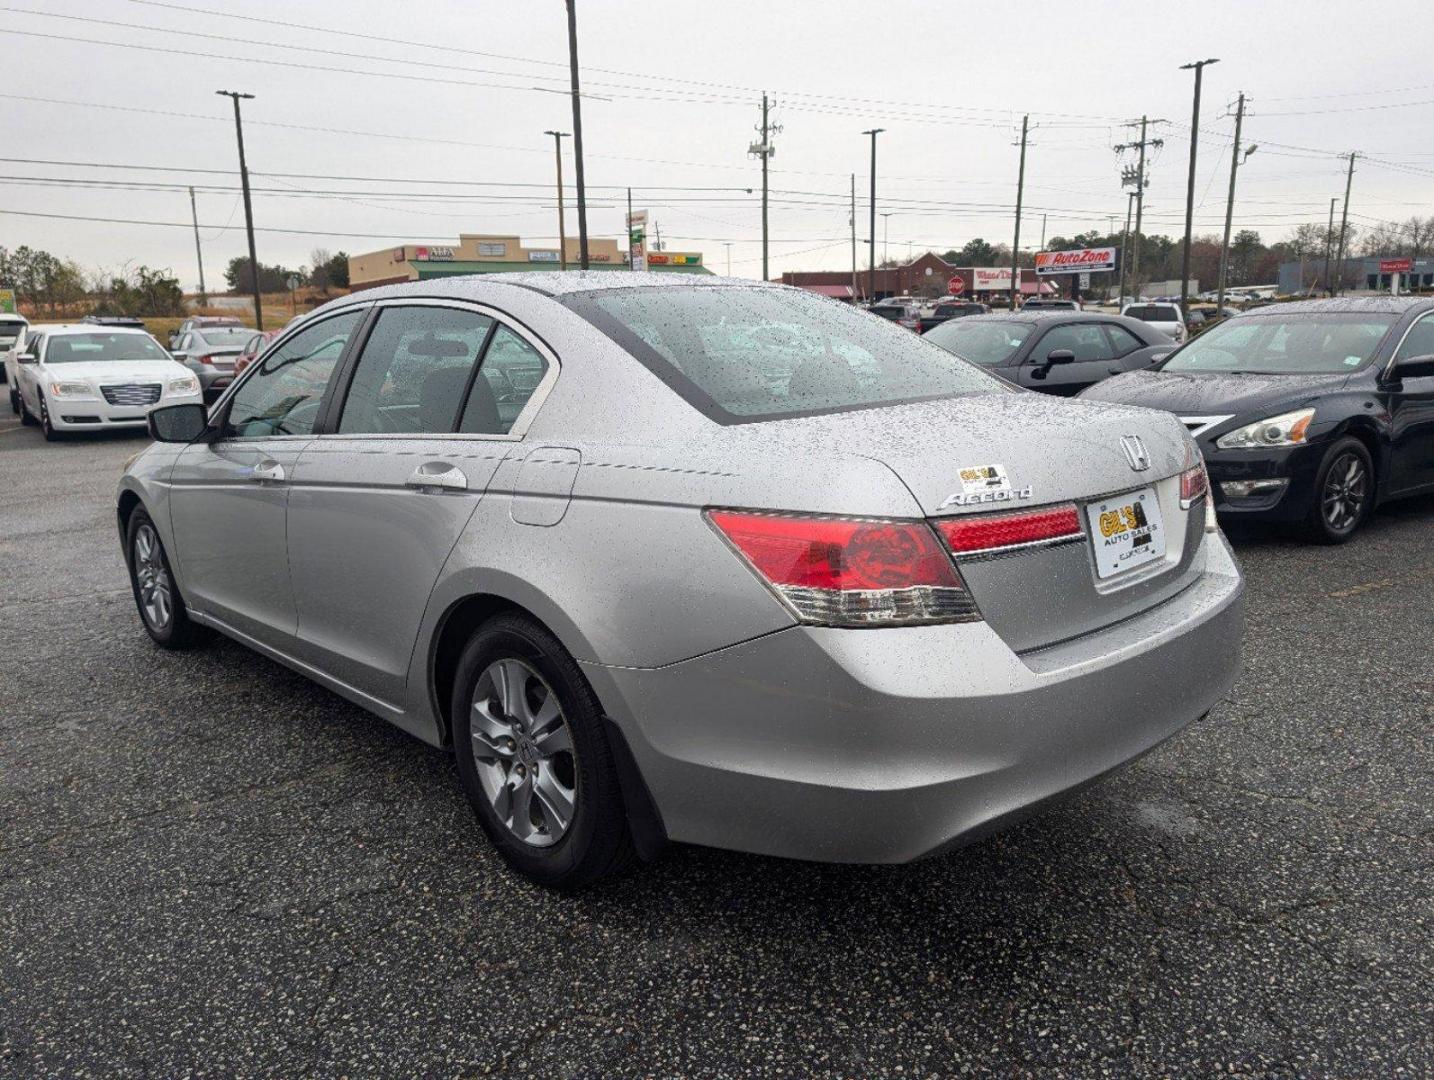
<point>1126,531</point>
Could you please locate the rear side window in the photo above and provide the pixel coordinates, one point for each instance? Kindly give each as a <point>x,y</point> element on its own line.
<point>414,371</point>
<point>1153,313</point>
<point>1122,340</point>
<point>511,372</point>
<point>283,393</point>
<point>740,355</point>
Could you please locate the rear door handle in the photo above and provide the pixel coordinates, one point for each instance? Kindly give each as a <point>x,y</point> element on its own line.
<point>438,474</point>
<point>267,471</point>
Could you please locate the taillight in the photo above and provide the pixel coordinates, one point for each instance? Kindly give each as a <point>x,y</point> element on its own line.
<point>992,534</point>
<point>205,360</point>
<point>1193,484</point>
<point>850,571</point>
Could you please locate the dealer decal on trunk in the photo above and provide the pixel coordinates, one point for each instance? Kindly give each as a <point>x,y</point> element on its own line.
<point>984,484</point>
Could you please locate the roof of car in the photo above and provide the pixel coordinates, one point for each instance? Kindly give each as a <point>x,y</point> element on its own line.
<point>88,328</point>
<point>1045,315</point>
<point>1381,305</point>
<point>551,283</point>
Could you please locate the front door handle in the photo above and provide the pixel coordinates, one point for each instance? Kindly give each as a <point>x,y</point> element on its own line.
<point>438,474</point>
<point>267,471</point>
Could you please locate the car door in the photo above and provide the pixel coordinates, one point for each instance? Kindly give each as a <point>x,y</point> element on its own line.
<point>385,489</point>
<point>229,497</point>
<point>1409,398</point>
<point>1086,341</point>
<point>27,375</point>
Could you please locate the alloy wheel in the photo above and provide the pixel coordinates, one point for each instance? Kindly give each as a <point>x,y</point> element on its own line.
<point>523,750</point>
<point>1346,489</point>
<point>153,578</point>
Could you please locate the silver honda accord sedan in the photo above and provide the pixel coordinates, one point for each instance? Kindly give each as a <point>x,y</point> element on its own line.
<point>693,559</point>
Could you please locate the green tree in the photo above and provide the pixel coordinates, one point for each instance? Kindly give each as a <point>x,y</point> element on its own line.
<point>271,278</point>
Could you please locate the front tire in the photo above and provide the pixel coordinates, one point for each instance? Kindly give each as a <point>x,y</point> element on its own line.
<point>14,401</point>
<point>534,757</point>
<point>161,608</point>
<point>1344,493</point>
<point>47,428</point>
<point>25,417</point>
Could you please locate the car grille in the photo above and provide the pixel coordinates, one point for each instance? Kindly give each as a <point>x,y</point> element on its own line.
<point>131,393</point>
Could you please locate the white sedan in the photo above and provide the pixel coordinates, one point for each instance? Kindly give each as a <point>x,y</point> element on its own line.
<point>84,377</point>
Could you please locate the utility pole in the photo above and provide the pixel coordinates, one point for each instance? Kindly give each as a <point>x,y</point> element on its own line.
<point>578,134</point>
<point>248,205</point>
<point>630,264</point>
<point>871,265</point>
<point>851,220</point>
<point>1328,248</point>
<point>198,252</point>
<point>558,137</point>
<point>1199,68</point>
<point>1230,206</point>
<point>1138,177</point>
<point>1020,192</point>
<point>1125,244</point>
<point>1043,233</point>
<point>1344,219</point>
<point>728,245</point>
<point>763,149</point>
<point>886,235</point>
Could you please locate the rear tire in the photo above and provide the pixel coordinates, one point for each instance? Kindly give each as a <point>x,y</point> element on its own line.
<point>161,608</point>
<point>1344,493</point>
<point>534,758</point>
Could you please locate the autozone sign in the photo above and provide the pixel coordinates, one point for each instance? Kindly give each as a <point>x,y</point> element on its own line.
<point>1075,262</point>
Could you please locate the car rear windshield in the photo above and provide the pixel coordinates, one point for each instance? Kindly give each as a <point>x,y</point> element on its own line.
<point>86,348</point>
<point>8,335</point>
<point>1153,313</point>
<point>224,336</point>
<point>1285,344</point>
<point>989,343</point>
<point>741,355</point>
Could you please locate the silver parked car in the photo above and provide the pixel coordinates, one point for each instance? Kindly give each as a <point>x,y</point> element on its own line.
<point>700,560</point>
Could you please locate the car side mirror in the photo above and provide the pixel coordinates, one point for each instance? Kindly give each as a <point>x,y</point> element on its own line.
<point>178,423</point>
<point>1414,367</point>
<point>27,358</point>
<point>1060,356</point>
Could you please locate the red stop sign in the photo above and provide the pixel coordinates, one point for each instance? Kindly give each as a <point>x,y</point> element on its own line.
<point>956,286</point>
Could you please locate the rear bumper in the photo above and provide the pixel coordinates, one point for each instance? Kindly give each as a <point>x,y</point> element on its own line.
<point>887,745</point>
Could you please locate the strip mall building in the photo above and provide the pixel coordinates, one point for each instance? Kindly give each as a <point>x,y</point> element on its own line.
<point>927,275</point>
<point>484,254</point>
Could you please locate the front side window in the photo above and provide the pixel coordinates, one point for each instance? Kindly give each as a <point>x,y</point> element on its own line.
<point>1295,344</point>
<point>1085,340</point>
<point>511,371</point>
<point>88,348</point>
<point>739,355</point>
<point>413,372</point>
<point>282,393</point>
<point>988,342</point>
<point>1419,341</point>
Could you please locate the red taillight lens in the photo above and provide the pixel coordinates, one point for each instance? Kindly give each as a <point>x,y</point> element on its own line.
<point>987,533</point>
<point>850,572</point>
<point>205,360</point>
<point>1193,484</point>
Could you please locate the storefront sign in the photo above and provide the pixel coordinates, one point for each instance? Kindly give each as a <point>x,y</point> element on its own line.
<point>492,250</point>
<point>543,256</point>
<point>991,280</point>
<point>637,240</point>
<point>1395,266</point>
<point>399,255</point>
<point>433,254</point>
<point>1075,262</point>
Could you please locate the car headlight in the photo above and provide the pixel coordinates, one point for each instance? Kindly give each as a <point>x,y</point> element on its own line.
<point>71,389</point>
<point>1287,429</point>
<point>187,385</point>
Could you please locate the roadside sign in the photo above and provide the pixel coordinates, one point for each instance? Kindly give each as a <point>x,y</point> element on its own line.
<point>1395,266</point>
<point>1085,281</point>
<point>1083,260</point>
<point>293,282</point>
<point>956,286</point>
<point>7,302</point>
<point>637,240</point>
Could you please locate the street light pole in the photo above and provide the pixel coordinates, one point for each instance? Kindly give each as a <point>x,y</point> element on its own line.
<point>871,265</point>
<point>578,134</point>
<point>248,205</point>
<point>1198,67</point>
<point>558,137</point>
<point>886,235</point>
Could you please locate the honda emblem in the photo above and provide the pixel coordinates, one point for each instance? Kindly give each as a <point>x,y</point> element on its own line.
<point>1135,452</point>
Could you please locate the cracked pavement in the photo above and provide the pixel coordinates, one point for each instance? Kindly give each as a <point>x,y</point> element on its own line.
<point>210,867</point>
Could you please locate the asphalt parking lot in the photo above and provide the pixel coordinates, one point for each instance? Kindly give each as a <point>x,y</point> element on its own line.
<point>210,867</point>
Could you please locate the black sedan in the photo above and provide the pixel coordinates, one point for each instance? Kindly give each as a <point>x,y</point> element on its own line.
<point>1310,413</point>
<point>1055,352</point>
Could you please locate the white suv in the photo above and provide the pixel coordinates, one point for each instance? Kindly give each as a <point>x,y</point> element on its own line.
<point>1167,318</point>
<point>12,333</point>
<point>85,377</point>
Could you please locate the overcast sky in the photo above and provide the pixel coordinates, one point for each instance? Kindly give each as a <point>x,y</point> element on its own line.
<point>673,93</point>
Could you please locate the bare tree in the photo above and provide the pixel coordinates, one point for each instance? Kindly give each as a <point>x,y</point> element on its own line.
<point>1421,234</point>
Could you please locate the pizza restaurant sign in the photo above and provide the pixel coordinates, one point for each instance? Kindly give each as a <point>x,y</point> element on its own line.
<point>1083,261</point>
